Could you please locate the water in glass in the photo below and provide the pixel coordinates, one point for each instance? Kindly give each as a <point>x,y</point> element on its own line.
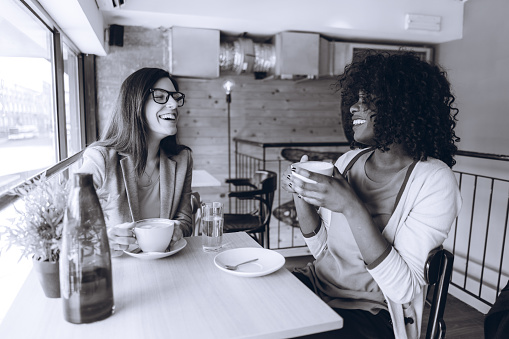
<point>212,226</point>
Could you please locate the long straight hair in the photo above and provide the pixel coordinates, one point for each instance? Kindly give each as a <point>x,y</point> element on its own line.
<point>126,131</point>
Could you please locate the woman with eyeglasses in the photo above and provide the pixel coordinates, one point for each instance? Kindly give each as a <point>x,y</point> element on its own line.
<point>140,171</point>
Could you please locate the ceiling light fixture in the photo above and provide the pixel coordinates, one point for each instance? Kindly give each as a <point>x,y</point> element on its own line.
<point>228,86</point>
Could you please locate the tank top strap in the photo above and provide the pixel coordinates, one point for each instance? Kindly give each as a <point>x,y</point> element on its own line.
<point>402,188</point>
<point>355,158</point>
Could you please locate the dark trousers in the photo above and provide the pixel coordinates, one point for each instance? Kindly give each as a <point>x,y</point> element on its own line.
<point>357,324</point>
<point>496,322</point>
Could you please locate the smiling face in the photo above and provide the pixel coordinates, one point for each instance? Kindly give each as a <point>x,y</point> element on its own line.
<point>363,119</point>
<point>161,118</point>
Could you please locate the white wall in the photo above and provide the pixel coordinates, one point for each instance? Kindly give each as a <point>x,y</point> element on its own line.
<point>478,68</point>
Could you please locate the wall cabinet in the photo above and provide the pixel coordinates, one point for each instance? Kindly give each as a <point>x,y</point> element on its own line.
<point>299,54</point>
<point>344,52</point>
<point>194,52</point>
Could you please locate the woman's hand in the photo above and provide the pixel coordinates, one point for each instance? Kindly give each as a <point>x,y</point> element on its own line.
<point>286,178</point>
<point>120,237</point>
<point>333,193</point>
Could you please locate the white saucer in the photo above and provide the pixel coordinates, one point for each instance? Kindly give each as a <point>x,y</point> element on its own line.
<point>268,261</point>
<point>179,245</point>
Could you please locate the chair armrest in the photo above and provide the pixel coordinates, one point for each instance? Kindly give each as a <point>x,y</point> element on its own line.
<point>196,212</point>
<point>245,194</point>
<point>240,182</point>
<point>195,202</point>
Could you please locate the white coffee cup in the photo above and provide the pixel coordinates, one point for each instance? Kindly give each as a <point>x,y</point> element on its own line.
<point>154,235</point>
<point>321,167</point>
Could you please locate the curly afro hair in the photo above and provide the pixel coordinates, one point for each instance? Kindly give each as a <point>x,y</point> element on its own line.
<point>413,101</point>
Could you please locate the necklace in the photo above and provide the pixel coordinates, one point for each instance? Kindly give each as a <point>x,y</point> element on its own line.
<point>150,176</point>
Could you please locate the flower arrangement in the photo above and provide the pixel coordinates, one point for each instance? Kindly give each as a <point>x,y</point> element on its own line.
<point>38,228</point>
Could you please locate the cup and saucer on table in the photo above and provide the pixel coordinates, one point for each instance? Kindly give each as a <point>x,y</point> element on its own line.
<point>153,237</point>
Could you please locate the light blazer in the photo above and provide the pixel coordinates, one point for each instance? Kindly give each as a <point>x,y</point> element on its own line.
<point>115,181</point>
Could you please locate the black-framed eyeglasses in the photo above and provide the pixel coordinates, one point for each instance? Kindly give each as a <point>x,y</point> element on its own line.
<point>161,96</point>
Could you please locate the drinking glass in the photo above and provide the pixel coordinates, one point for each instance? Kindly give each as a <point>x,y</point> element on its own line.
<point>212,226</point>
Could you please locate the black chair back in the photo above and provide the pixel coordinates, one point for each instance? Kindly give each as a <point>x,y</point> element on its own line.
<point>269,186</point>
<point>259,190</point>
<point>437,273</point>
<point>196,212</point>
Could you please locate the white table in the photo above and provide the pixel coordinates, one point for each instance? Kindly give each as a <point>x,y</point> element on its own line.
<point>202,178</point>
<point>182,296</point>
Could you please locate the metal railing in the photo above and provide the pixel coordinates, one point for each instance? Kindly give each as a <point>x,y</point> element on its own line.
<point>478,236</point>
<point>253,155</point>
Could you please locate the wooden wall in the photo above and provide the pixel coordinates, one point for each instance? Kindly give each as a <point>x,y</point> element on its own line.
<point>275,110</point>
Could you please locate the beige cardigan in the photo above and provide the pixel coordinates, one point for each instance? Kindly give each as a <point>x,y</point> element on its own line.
<point>116,185</point>
<point>421,222</point>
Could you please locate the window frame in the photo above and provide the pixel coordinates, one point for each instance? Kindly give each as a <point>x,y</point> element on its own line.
<point>86,98</point>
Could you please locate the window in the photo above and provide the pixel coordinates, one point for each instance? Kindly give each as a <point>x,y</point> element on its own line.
<point>30,125</point>
<point>27,128</point>
<point>74,133</point>
<point>38,64</point>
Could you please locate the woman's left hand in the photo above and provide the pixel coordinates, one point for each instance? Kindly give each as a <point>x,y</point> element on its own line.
<point>333,193</point>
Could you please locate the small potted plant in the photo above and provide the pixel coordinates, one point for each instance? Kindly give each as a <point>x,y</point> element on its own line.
<point>37,230</point>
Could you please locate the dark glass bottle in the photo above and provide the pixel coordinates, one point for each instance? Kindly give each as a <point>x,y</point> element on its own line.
<point>85,262</point>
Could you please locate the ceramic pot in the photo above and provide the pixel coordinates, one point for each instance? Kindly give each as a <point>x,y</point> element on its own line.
<point>48,274</point>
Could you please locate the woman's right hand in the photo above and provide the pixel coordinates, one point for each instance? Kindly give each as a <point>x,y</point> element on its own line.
<point>120,237</point>
<point>308,217</point>
<point>286,182</point>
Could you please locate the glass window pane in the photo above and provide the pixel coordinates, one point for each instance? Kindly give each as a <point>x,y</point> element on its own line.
<point>27,114</point>
<point>72,111</point>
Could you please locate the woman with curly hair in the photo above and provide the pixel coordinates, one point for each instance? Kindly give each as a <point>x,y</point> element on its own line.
<point>391,199</point>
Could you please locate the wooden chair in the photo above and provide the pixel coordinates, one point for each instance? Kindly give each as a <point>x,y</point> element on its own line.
<point>260,191</point>
<point>437,273</point>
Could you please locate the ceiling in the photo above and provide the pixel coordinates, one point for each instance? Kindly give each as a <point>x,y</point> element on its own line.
<point>373,20</point>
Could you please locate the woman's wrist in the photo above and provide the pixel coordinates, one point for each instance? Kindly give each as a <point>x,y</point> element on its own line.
<point>353,208</point>
<point>308,216</point>
<point>313,232</point>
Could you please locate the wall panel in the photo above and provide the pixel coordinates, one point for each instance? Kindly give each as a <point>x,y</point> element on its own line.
<point>281,110</point>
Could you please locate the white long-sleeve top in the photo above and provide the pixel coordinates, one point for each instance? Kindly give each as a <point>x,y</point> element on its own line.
<point>420,222</point>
